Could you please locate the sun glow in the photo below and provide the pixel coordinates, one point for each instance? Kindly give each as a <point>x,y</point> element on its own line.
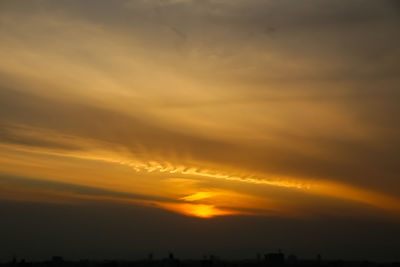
<point>197,210</point>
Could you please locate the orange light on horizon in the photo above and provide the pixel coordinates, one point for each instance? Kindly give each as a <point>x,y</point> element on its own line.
<point>197,210</point>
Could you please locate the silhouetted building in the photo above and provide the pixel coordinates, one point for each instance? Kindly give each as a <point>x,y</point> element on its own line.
<point>319,259</point>
<point>291,259</point>
<point>171,261</point>
<point>275,258</point>
<point>271,260</point>
<point>57,259</point>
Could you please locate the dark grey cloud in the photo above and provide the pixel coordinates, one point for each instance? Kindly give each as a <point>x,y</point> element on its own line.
<point>79,190</point>
<point>12,135</point>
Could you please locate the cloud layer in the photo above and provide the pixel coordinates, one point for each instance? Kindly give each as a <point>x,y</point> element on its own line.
<point>264,107</point>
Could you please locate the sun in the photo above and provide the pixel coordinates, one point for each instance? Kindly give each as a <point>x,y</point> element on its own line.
<point>197,210</point>
<point>204,211</point>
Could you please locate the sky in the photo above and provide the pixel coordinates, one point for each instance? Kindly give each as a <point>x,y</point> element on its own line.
<point>199,126</point>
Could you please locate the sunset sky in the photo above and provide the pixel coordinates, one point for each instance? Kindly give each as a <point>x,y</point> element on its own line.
<point>199,126</point>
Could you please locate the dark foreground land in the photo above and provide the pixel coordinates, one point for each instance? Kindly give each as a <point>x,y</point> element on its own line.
<point>269,260</point>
